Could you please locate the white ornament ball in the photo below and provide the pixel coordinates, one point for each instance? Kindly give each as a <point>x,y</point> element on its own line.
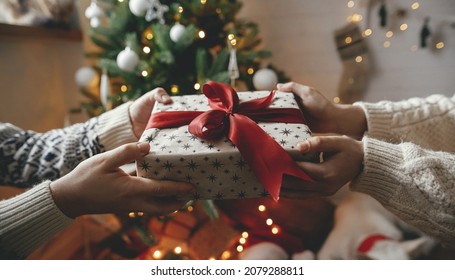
<point>139,7</point>
<point>127,60</point>
<point>177,32</point>
<point>93,11</point>
<point>265,79</point>
<point>84,76</point>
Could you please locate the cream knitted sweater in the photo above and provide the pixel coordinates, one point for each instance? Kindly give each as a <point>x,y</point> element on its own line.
<point>409,163</point>
<point>28,158</point>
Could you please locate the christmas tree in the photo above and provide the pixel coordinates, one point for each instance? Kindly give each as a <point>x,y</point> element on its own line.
<point>176,45</point>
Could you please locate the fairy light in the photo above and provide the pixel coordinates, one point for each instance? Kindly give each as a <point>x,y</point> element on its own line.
<point>124,88</point>
<point>415,5</point>
<point>336,100</point>
<point>403,27</point>
<point>190,208</point>
<point>201,34</point>
<point>203,2</point>
<point>439,45</point>
<point>174,89</point>
<point>140,214</point>
<point>239,248</point>
<point>144,73</point>
<point>275,230</point>
<point>356,17</point>
<point>146,49</point>
<point>157,254</point>
<point>242,240</point>
<point>180,9</point>
<point>387,44</point>
<point>269,222</point>
<point>367,32</point>
<point>245,234</point>
<point>225,255</point>
<point>351,4</point>
<point>197,86</point>
<point>250,71</point>
<point>358,59</point>
<point>389,34</point>
<point>149,35</point>
<point>261,208</point>
<point>178,250</point>
<point>132,215</point>
<point>348,40</point>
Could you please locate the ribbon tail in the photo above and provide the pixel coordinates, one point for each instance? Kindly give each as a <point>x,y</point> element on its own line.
<point>268,160</point>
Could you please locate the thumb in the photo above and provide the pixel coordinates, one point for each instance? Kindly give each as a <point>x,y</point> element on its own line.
<point>125,154</point>
<point>322,144</point>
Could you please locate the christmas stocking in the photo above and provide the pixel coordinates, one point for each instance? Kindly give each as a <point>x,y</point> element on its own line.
<point>354,56</point>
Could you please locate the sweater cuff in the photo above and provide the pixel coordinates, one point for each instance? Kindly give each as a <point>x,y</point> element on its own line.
<point>379,119</point>
<point>381,166</point>
<point>115,128</point>
<point>28,220</point>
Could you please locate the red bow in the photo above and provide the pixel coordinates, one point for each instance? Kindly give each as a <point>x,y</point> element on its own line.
<point>228,117</point>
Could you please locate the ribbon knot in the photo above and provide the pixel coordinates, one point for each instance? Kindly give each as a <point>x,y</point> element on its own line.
<point>237,121</point>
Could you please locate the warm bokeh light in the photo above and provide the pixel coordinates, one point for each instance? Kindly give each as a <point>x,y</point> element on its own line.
<point>261,208</point>
<point>146,49</point>
<point>269,222</point>
<point>178,250</point>
<point>123,88</point>
<point>351,4</point>
<point>157,254</point>
<point>415,5</point>
<point>239,248</point>
<point>403,27</point>
<point>275,230</point>
<point>201,34</point>
<point>197,86</point>
<point>389,34</point>
<point>145,73</point>
<point>245,234</point>
<point>358,59</point>
<point>440,45</point>
<point>250,71</point>
<point>174,89</point>
<point>367,32</point>
<point>348,40</point>
<point>387,44</point>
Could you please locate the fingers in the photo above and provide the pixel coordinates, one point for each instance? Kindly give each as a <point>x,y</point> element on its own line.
<point>160,95</point>
<point>125,154</point>
<point>322,144</point>
<point>158,188</point>
<point>294,87</point>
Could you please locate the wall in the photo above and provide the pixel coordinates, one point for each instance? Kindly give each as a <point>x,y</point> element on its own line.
<point>300,34</point>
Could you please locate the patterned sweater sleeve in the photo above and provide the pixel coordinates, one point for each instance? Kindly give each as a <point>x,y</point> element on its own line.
<point>409,162</point>
<point>27,157</point>
<point>31,218</point>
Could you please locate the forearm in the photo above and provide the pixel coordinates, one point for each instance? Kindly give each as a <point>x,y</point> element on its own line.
<point>28,220</point>
<point>28,158</point>
<point>413,183</point>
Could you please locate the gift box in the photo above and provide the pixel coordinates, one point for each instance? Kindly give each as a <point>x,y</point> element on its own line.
<point>229,145</point>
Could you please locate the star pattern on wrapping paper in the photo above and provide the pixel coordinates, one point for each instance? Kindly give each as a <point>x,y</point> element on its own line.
<point>168,165</point>
<point>212,178</point>
<point>235,178</point>
<point>218,196</point>
<point>217,164</point>
<point>286,132</point>
<point>192,165</point>
<point>240,163</point>
<point>149,139</point>
<point>241,194</point>
<point>145,166</point>
<point>283,142</point>
<point>264,193</point>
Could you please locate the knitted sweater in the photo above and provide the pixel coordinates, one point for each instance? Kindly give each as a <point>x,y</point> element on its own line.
<point>28,158</point>
<point>409,163</point>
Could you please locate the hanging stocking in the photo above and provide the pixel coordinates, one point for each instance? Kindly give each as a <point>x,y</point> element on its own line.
<point>353,53</point>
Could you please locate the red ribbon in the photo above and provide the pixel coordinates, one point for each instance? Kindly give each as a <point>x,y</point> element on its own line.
<point>228,117</point>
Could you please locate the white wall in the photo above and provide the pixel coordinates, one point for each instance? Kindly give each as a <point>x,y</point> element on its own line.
<point>300,35</point>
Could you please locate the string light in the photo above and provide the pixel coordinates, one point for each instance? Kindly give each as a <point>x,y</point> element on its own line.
<point>261,208</point>
<point>387,44</point>
<point>201,34</point>
<point>351,4</point>
<point>358,59</point>
<point>250,71</point>
<point>203,2</point>
<point>367,32</point>
<point>124,88</point>
<point>144,73</point>
<point>174,89</point>
<point>336,99</point>
<point>403,27</point>
<point>132,215</point>
<point>440,45</point>
<point>149,35</point>
<point>389,34</point>
<point>178,250</point>
<point>157,254</point>
<point>225,255</point>
<point>348,40</point>
<point>245,234</point>
<point>415,5</point>
<point>146,49</point>
<point>242,240</point>
<point>269,222</point>
<point>197,86</point>
<point>239,248</point>
<point>180,9</point>
<point>275,230</point>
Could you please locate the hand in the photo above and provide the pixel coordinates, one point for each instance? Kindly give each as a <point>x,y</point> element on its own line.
<point>342,162</point>
<point>324,116</point>
<point>141,109</point>
<point>98,185</point>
